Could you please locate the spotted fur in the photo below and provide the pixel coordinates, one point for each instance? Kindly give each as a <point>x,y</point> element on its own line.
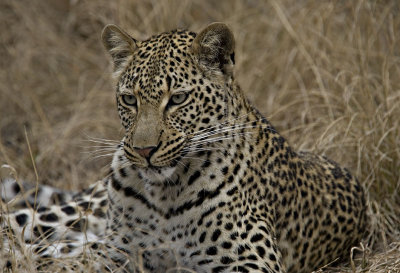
<point>201,180</point>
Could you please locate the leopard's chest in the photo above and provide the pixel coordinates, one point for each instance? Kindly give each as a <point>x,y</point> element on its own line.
<point>156,241</point>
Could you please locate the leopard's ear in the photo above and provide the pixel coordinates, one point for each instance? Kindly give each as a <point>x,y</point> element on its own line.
<point>214,47</point>
<point>119,44</point>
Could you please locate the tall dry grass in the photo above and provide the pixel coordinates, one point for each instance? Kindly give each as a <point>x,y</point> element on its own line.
<point>326,73</point>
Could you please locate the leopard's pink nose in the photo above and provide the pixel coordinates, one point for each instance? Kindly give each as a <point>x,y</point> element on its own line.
<point>145,152</point>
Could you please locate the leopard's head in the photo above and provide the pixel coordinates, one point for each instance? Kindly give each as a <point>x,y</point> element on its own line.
<point>171,90</point>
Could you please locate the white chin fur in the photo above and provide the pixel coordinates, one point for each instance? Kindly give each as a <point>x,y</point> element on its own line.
<point>157,175</point>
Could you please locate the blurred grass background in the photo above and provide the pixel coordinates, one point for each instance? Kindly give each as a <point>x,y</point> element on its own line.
<point>325,73</point>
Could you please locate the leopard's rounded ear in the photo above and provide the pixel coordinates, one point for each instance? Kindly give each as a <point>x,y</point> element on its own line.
<point>118,43</point>
<point>214,47</point>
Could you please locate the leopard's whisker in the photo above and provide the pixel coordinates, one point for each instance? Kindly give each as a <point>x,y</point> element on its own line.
<point>98,151</point>
<point>103,146</point>
<point>194,158</point>
<point>102,140</point>
<point>219,128</point>
<point>219,125</point>
<point>224,130</point>
<point>103,155</point>
<point>218,139</point>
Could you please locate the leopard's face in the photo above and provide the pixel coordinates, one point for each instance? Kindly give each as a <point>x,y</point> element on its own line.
<point>165,103</point>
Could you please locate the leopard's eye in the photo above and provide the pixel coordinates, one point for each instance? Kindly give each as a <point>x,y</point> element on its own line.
<point>178,98</point>
<point>129,100</point>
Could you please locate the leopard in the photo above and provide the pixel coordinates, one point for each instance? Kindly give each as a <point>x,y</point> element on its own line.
<point>201,181</point>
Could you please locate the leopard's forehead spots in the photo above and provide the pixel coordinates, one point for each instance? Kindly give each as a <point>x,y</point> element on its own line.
<point>159,65</point>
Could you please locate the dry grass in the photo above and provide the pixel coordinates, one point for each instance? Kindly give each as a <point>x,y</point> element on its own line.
<point>326,73</point>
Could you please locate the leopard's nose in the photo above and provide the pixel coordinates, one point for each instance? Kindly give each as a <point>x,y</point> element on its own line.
<point>145,152</point>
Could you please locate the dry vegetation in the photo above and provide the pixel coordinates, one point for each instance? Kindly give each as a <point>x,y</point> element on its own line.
<point>326,73</point>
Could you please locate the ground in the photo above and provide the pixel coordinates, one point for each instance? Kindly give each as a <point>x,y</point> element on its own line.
<point>326,74</point>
